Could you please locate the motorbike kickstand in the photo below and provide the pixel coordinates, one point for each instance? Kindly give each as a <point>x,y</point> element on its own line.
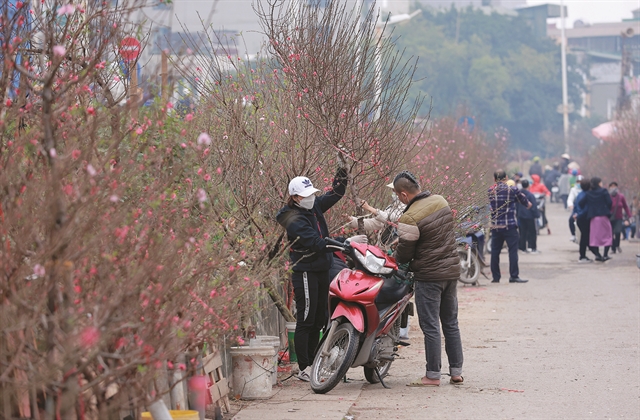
<point>380,378</point>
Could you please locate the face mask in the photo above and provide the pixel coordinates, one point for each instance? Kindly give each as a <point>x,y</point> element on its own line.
<point>307,202</point>
<point>613,191</point>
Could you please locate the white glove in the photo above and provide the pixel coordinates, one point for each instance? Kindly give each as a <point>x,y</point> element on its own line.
<point>342,162</point>
<point>359,239</point>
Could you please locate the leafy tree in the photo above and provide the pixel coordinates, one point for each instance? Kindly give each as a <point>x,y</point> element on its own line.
<point>493,68</point>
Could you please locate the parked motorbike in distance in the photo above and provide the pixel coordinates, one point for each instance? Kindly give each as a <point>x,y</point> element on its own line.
<point>469,246</point>
<point>368,305</point>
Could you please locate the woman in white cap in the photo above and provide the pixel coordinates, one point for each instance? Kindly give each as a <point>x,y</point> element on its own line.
<point>311,260</point>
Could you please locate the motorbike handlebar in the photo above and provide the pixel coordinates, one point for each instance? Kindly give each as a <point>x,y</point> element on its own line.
<point>334,244</point>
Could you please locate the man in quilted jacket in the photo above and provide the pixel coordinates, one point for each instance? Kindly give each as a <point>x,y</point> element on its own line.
<point>426,240</point>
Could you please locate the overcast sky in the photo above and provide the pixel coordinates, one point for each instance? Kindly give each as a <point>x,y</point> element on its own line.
<point>595,11</point>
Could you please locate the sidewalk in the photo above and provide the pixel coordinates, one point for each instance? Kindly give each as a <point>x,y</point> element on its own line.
<point>294,400</point>
<point>564,345</point>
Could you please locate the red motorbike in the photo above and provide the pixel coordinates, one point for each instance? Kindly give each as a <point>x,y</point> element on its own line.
<point>368,305</point>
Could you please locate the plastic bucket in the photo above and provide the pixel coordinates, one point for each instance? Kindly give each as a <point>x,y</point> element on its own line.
<point>291,333</point>
<point>266,341</point>
<point>252,370</point>
<point>175,414</point>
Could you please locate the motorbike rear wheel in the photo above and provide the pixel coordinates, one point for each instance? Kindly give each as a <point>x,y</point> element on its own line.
<point>371,376</point>
<point>369,372</point>
<point>469,271</point>
<point>327,372</point>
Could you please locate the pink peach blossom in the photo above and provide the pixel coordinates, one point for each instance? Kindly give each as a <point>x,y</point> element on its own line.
<point>59,51</point>
<point>67,9</point>
<point>204,138</point>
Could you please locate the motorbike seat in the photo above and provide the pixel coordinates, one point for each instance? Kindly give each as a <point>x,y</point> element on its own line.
<point>391,291</point>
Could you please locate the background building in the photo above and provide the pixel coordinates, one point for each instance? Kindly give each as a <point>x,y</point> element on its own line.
<point>601,48</point>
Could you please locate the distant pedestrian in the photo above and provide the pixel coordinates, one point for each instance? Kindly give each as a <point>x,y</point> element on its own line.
<point>564,163</point>
<point>527,221</point>
<point>550,179</point>
<point>564,187</point>
<point>619,203</point>
<point>540,191</point>
<point>582,220</point>
<point>598,203</point>
<point>573,194</point>
<point>517,179</point>
<point>536,168</point>
<point>504,226</point>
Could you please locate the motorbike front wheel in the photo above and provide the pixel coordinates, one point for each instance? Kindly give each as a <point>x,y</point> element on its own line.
<point>327,371</point>
<point>469,271</point>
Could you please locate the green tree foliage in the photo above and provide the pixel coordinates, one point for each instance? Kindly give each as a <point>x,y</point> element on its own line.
<point>490,67</point>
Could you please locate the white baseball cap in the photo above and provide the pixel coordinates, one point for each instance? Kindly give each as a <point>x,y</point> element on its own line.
<point>302,186</point>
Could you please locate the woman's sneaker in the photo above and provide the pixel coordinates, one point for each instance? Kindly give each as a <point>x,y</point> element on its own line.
<point>305,375</point>
<point>585,260</point>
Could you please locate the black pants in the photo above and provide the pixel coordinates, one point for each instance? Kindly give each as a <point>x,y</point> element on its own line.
<point>311,290</point>
<point>616,227</point>
<point>585,228</point>
<point>527,233</point>
<point>572,225</point>
<point>498,238</point>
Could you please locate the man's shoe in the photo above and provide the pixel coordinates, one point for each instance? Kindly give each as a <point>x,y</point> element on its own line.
<point>495,281</point>
<point>305,375</point>
<point>600,259</point>
<point>613,250</point>
<point>572,239</point>
<point>585,260</point>
<point>517,280</point>
<point>534,251</point>
<point>606,258</point>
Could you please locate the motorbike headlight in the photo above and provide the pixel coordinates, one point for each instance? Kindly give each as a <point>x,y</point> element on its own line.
<point>374,264</point>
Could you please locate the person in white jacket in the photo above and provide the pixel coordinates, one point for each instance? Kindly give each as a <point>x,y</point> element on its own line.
<point>573,194</point>
<point>384,223</point>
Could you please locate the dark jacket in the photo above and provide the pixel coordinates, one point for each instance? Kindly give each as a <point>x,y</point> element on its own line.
<point>551,176</point>
<point>306,229</point>
<point>578,210</point>
<point>536,169</point>
<point>528,213</point>
<point>598,202</point>
<point>427,240</point>
<point>618,204</point>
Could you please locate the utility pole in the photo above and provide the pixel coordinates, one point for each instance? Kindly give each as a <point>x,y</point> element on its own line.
<point>565,99</point>
<point>625,70</point>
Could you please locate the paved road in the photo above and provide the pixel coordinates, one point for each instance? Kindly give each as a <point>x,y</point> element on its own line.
<point>564,345</point>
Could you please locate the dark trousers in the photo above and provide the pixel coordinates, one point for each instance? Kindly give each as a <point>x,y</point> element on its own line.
<point>527,233</point>
<point>437,302</point>
<point>585,228</point>
<point>617,227</point>
<point>311,290</point>
<point>498,238</point>
<point>572,225</point>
